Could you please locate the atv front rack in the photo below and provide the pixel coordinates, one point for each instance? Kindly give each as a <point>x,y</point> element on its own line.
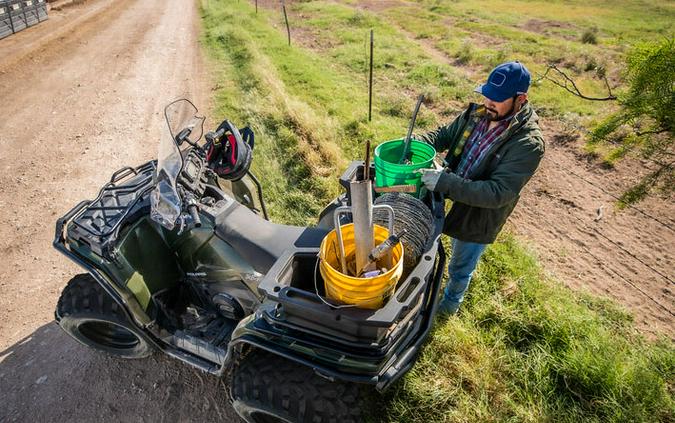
<point>96,223</point>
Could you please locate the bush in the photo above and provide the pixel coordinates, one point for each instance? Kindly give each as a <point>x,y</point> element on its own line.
<point>645,121</point>
<point>465,53</point>
<point>590,36</point>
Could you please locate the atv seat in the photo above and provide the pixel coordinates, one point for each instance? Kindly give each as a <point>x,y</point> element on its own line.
<point>261,242</point>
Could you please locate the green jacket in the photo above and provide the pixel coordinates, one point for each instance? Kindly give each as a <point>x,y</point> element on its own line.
<point>483,201</point>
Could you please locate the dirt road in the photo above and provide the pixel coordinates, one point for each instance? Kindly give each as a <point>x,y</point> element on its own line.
<point>81,96</point>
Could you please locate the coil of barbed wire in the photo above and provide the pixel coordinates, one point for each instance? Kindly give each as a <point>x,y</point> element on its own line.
<point>412,215</point>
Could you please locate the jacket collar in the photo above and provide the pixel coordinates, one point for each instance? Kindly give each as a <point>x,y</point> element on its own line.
<point>522,117</point>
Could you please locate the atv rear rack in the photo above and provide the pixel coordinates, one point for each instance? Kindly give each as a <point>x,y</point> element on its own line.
<point>380,369</point>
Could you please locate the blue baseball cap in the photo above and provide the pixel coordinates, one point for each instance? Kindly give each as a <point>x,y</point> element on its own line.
<point>506,81</point>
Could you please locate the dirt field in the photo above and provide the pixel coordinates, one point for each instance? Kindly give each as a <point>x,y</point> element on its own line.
<point>81,96</point>
<point>567,213</point>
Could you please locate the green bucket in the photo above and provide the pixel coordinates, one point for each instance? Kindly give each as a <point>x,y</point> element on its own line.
<point>389,172</point>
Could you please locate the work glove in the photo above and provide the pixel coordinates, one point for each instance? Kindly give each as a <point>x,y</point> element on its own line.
<point>430,178</point>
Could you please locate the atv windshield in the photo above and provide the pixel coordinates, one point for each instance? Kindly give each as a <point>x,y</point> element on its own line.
<point>183,127</point>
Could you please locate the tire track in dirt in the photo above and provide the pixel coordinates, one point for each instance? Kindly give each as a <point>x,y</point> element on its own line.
<point>83,103</point>
<point>49,34</point>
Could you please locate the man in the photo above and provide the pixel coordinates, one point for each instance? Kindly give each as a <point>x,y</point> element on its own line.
<point>493,151</point>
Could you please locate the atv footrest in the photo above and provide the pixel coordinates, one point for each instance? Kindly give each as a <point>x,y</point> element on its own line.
<point>198,347</point>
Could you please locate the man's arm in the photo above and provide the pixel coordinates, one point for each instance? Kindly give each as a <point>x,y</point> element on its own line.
<point>444,136</point>
<point>504,185</point>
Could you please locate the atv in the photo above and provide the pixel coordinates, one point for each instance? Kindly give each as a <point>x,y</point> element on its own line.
<point>180,257</point>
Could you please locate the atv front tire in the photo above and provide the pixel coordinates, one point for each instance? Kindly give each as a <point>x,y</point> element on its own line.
<point>268,388</point>
<point>88,314</point>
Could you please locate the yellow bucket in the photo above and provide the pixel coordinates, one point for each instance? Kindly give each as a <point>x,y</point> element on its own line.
<point>362,292</point>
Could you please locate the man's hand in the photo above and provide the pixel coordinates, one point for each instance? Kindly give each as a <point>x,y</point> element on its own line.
<point>430,178</point>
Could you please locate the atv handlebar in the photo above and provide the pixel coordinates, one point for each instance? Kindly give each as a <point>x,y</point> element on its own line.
<point>214,137</point>
<point>194,213</point>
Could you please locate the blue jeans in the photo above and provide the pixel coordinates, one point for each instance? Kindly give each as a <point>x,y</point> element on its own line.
<point>465,256</point>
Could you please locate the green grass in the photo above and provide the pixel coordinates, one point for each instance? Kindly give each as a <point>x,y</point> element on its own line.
<point>479,43</point>
<point>524,348</point>
<point>480,35</point>
<point>309,110</point>
<point>298,156</point>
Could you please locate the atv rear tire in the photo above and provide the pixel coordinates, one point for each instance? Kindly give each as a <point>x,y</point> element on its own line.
<point>88,314</point>
<point>268,388</point>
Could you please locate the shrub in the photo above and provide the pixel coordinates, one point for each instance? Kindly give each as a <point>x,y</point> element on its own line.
<point>645,121</point>
<point>590,36</point>
<point>465,53</point>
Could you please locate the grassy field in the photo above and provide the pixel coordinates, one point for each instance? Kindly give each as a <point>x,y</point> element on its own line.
<point>529,350</point>
<point>525,349</point>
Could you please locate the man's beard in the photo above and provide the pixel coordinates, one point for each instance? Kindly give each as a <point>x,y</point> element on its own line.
<point>493,116</point>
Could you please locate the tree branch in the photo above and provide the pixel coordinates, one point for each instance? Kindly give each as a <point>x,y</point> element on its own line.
<point>570,86</point>
<point>652,132</point>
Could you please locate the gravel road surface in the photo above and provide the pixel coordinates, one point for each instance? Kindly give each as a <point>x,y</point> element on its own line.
<point>82,95</point>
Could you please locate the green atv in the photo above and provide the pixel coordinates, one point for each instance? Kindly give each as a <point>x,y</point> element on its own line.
<point>180,257</point>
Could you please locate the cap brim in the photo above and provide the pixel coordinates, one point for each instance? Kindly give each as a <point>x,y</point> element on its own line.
<point>492,94</point>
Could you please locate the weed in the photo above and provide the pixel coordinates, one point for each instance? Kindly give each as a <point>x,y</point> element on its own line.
<point>591,64</point>
<point>465,53</point>
<point>590,36</point>
<point>394,106</point>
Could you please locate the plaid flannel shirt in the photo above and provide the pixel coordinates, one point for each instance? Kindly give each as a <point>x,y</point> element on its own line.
<point>478,144</point>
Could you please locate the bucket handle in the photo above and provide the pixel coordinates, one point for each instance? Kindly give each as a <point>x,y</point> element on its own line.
<point>338,229</point>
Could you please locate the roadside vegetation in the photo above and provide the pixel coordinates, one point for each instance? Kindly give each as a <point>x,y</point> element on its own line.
<point>529,349</point>
<point>526,349</point>
<point>645,121</point>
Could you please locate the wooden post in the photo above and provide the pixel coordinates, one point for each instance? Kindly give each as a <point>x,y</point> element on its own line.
<point>288,28</point>
<point>256,7</point>
<point>370,80</point>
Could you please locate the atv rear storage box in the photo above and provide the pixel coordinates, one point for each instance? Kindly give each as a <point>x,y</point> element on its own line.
<point>5,20</point>
<point>292,280</point>
<point>290,283</point>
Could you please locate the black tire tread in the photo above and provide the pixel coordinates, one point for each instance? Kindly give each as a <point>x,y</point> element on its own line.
<point>82,300</point>
<point>269,382</point>
<point>83,294</point>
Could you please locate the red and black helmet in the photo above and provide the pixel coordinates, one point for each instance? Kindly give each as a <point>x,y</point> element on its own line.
<point>230,155</point>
